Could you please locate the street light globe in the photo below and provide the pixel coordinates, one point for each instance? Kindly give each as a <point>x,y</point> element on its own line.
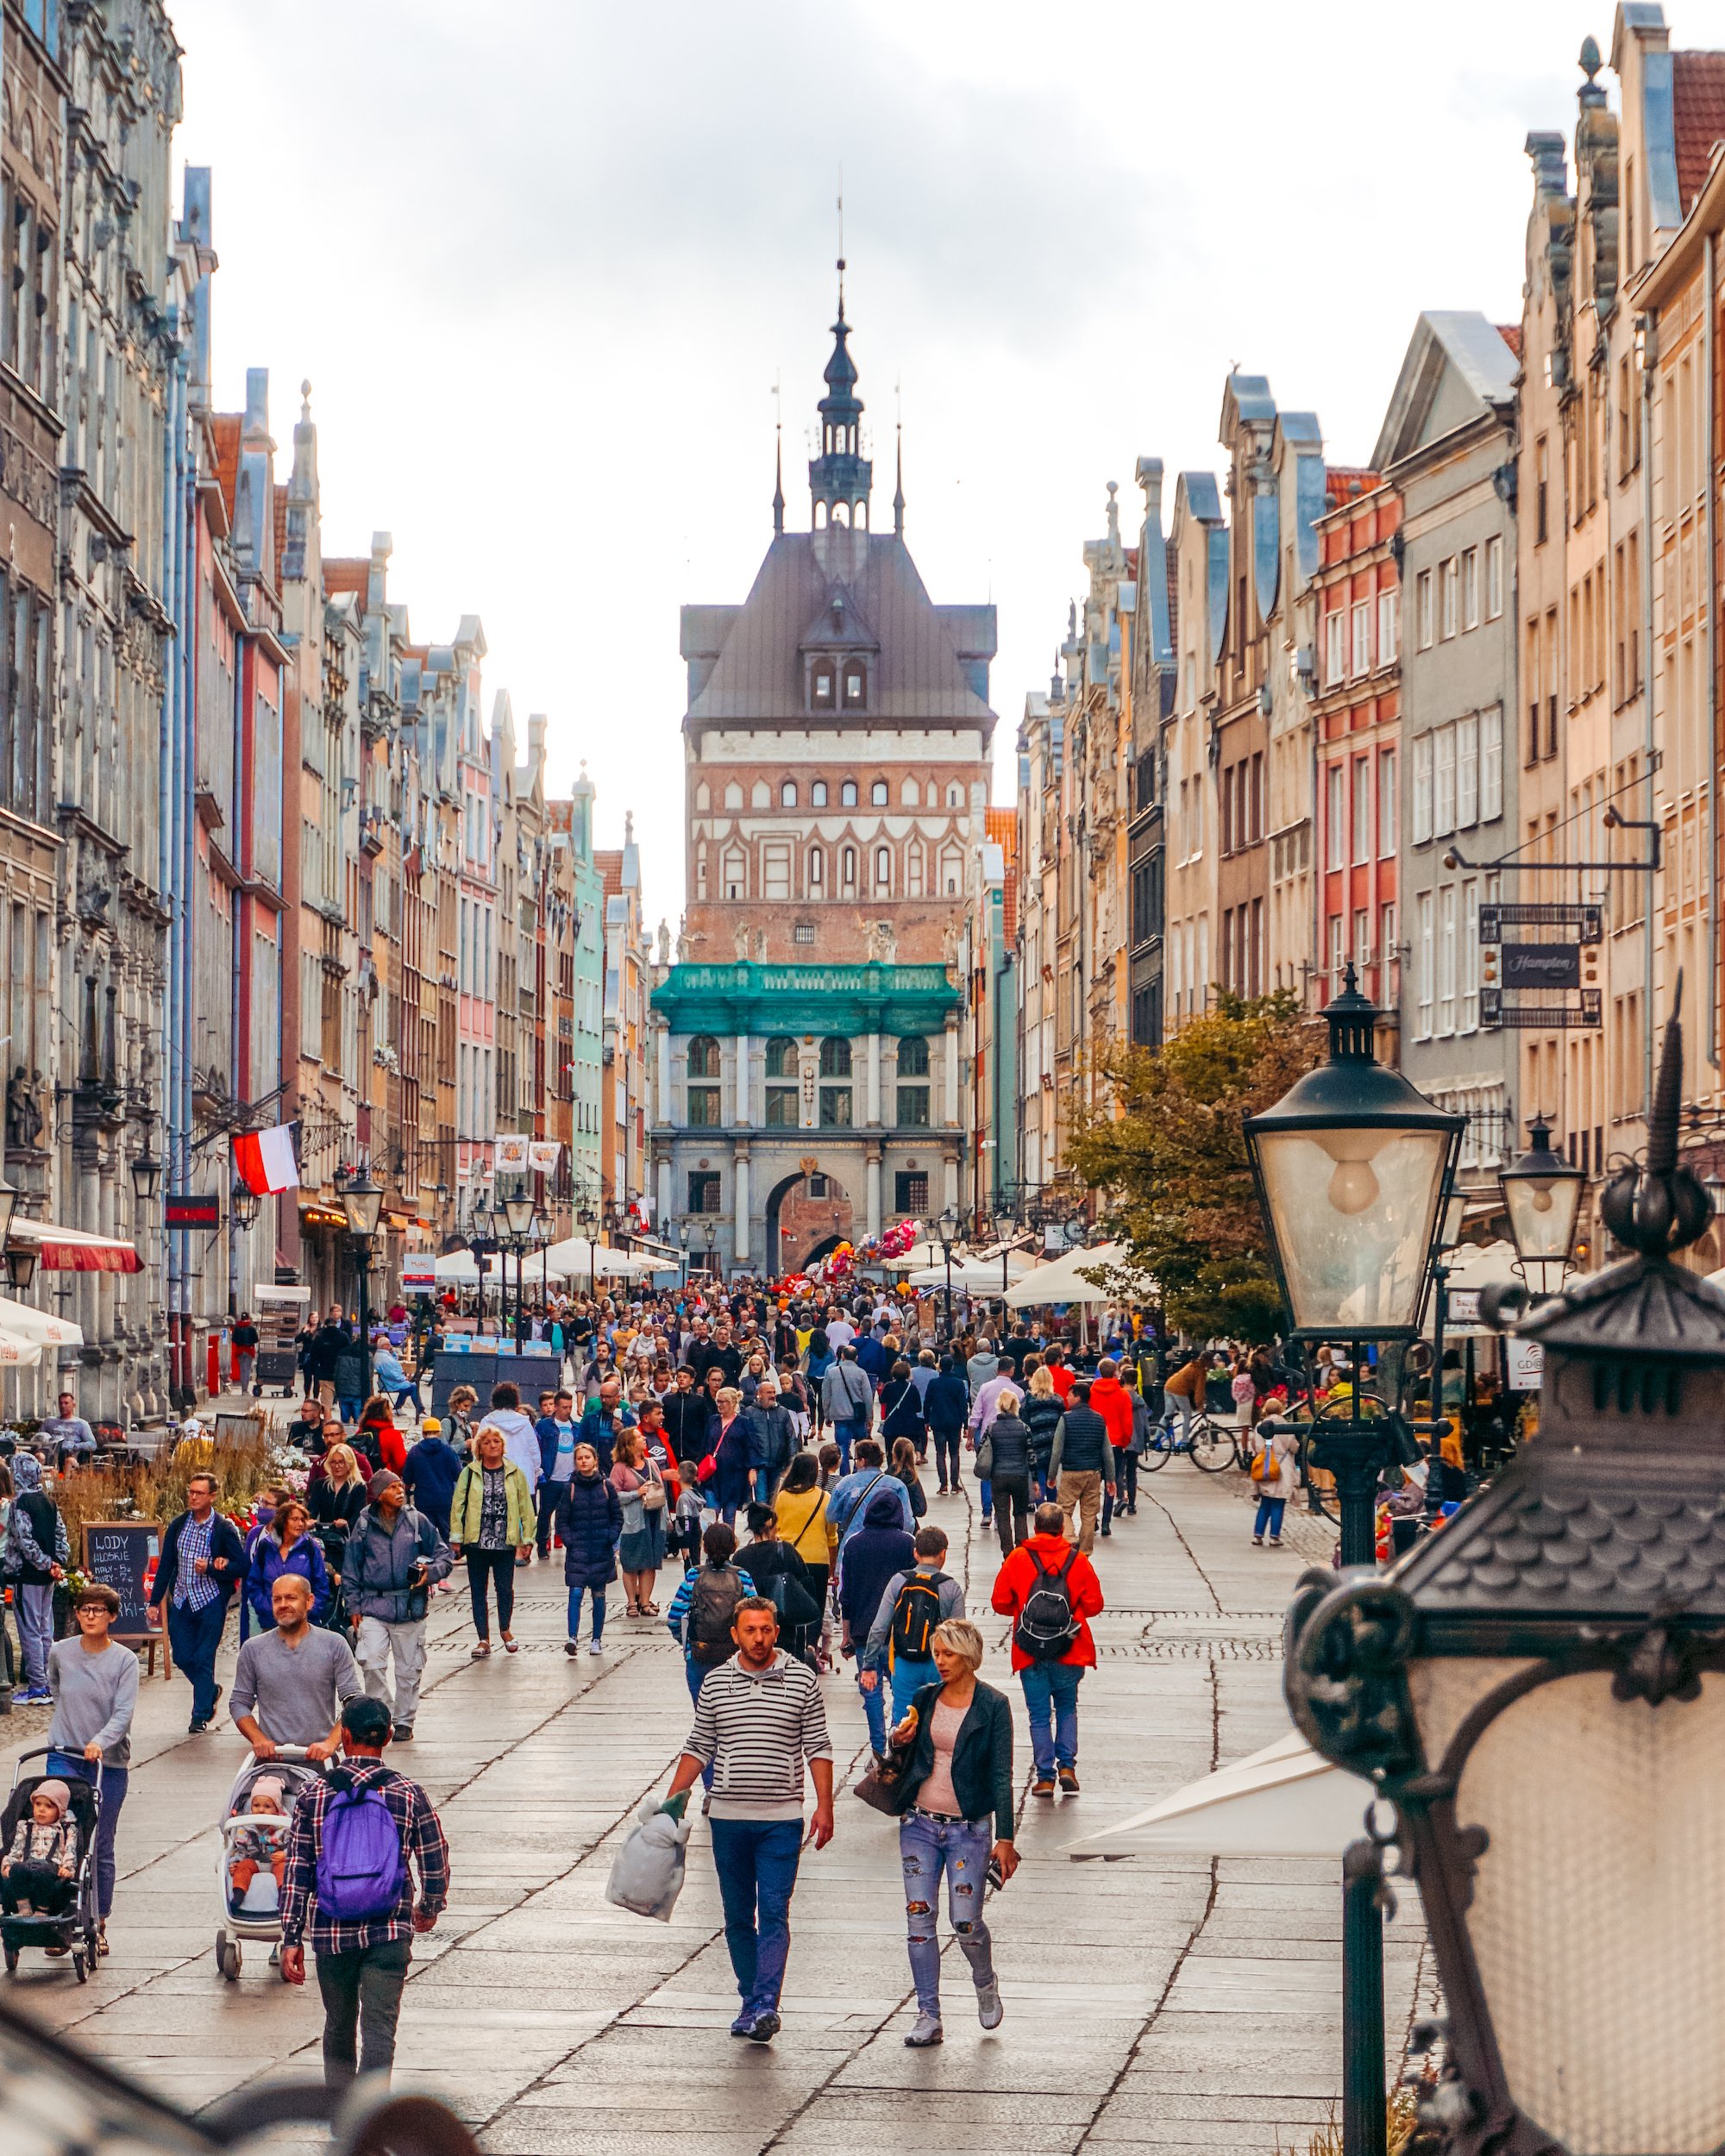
<point>1542,1196</point>
<point>362,1202</point>
<point>1351,1165</point>
<point>517,1210</point>
<point>947,1228</point>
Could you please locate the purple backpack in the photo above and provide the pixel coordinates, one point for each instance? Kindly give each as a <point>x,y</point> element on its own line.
<point>361,1868</point>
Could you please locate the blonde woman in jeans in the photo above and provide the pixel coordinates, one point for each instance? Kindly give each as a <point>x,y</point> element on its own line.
<point>955,1797</point>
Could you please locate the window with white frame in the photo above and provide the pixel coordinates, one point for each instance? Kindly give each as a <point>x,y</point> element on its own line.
<point>1361,940</point>
<point>1422,606</point>
<point>1449,579</point>
<point>1491,764</point>
<point>1443,781</point>
<point>1424,966</point>
<point>733,873</point>
<point>1338,951</point>
<point>1362,809</point>
<point>1388,818</point>
<point>1469,956</point>
<point>1470,588</point>
<point>1335,642</point>
<point>776,871</point>
<point>1335,816</point>
<point>1387,952</point>
<point>1446,959</point>
<point>1467,771</point>
<point>1362,637</point>
<point>1422,789</point>
<point>1494,579</point>
<point>1388,626</point>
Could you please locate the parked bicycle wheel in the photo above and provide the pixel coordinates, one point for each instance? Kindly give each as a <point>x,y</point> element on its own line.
<point>1214,1446</point>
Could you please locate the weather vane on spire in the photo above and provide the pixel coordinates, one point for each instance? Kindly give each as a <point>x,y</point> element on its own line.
<point>841,239</point>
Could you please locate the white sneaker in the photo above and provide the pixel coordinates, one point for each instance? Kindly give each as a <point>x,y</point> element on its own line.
<point>989,2011</point>
<point>596,1646</point>
<point>927,2031</point>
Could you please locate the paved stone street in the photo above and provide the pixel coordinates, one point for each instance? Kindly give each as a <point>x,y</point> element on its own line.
<point>1189,2006</point>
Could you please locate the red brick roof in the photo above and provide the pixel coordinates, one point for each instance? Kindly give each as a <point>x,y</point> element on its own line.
<point>346,572</point>
<point>1009,907</point>
<point>609,863</point>
<point>281,529</point>
<point>1511,334</point>
<point>1698,113</point>
<point>1346,483</point>
<point>1002,826</point>
<point>225,428</point>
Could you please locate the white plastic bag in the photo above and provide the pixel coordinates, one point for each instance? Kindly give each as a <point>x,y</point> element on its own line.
<point>647,1875</point>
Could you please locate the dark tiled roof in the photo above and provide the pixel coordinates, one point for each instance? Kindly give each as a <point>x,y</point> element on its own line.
<point>758,675</point>
<point>1698,115</point>
<point>1577,1539</point>
<point>1656,1305</point>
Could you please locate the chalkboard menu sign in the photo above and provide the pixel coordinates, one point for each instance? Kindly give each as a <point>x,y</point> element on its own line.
<point>122,1554</point>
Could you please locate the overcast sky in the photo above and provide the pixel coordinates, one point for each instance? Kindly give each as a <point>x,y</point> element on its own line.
<point>543,263</point>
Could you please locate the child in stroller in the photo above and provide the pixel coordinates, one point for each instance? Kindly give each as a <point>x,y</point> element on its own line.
<point>254,1846</point>
<point>47,1824</point>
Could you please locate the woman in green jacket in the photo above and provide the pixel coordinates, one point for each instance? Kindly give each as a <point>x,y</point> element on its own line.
<point>491,1519</point>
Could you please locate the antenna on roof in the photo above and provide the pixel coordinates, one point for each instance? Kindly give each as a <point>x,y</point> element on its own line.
<point>898,423</point>
<point>841,242</point>
<point>778,462</point>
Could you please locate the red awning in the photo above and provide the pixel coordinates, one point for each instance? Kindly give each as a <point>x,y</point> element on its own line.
<point>74,1249</point>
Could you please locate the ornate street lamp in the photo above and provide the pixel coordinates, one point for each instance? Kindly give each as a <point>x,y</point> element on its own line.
<point>1542,1195</point>
<point>361,1197</point>
<point>517,1210</point>
<point>20,1266</point>
<point>146,1173</point>
<point>242,1205</point>
<point>8,1199</point>
<point>1541,1688</point>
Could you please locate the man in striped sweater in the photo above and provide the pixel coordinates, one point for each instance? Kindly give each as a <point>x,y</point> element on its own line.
<point>758,1718</point>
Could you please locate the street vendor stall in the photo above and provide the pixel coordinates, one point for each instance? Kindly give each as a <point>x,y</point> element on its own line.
<point>280,1314</point>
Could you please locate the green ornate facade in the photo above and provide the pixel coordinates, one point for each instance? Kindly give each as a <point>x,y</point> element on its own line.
<point>758,1000</point>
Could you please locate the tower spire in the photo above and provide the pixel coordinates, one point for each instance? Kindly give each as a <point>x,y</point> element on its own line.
<point>841,477</point>
<point>778,465</point>
<point>898,489</point>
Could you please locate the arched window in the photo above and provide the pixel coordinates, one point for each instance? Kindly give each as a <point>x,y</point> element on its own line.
<point>700,870</point>
<point>955,798</point>
<point>820,515</point>
<point>841,513</point>
<point>855,684</point>
<point>848,868</point>
<point>817,794</point>
<point>703,796</point>
<point>862,516</point>
<point>909,796</point>
<point>952,871</point>
<point>821,681</point>
<point>914,870</point>
<point>760,795</point>
<point>847,794</point>
<point>733,795</point>
<point>878,794</point>
<point>787,794</point>
<point>734,874</point>
<point>781,1056</point>
<point>835,1057</point>
<point>703,1057</point>
<point>817,872</point>
<point>883,868</point>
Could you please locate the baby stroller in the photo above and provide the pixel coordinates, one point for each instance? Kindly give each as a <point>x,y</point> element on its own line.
<point>254,1915</point>
<point>74,1926</point>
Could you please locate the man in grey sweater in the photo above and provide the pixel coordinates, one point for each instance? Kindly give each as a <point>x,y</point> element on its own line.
<point>291,1684</point>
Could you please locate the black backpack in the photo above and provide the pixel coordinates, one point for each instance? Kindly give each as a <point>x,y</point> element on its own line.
<point>916,1612</point>
<point>718,1591</point>
<point>1047,1626</point>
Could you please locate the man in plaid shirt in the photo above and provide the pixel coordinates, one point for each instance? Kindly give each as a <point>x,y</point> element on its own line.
<point>361,1965</point>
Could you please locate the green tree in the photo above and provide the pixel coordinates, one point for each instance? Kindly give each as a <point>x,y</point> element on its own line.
<point>1165,1149</point>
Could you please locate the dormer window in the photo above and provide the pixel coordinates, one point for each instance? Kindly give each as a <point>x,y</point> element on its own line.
<point>821,685</point>
<point>855,684</point>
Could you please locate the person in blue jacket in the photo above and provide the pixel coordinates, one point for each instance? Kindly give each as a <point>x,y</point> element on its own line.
<point>430,1472</point>
<point>287,1544</point>
<point>559,1433</point>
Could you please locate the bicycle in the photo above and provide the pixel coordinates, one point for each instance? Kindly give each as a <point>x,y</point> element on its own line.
<point>1211,1445</point>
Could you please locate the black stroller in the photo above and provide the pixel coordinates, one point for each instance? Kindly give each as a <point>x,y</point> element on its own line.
<point>75,1926</point>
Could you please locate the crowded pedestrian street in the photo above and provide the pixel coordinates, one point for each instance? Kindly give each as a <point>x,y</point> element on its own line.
<point>1184,2004</point>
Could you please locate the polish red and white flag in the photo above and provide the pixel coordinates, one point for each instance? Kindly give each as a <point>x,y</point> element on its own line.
<point>264,1160</point>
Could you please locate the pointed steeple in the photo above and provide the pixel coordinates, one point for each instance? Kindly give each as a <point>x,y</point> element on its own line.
<point>840,478</point>
<point>899,491</point>
<point>778,481</point>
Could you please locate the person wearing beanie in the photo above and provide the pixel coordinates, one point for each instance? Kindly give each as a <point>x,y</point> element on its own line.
<point>36,1873</point>
<point>261,1849</point>
<point>429,1473</point>
<point>395,1555</point>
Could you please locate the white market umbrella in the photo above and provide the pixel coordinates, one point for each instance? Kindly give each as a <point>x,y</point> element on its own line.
<point>1282,1802</point>
<point>23,1322</point>
<point>17,1354</point>
<point>917,1259</point>
<point>460,1267</point>
<point>574,1257</point>
<point>974,1276</point>
<point>1061,1281</point>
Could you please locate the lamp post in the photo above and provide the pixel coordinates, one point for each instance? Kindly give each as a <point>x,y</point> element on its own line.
<point>947,1228</point>
<point>1553,1663</point>
<point>683,1252</point>
<point>587,1221</point>
<point>1542,1196</point>
<point>710,1235</point>
<point>362,1202</point>
<point>1353,1165</point>
<point>518,1212</point>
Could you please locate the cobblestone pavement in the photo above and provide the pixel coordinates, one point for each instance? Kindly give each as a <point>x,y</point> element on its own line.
<point>1180,2005</point>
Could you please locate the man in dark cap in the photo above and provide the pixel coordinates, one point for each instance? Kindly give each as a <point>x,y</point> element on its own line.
<point>395,1557</point>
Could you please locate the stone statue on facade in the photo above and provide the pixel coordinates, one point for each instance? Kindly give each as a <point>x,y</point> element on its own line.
<point>664,943</point>
<point>24,1121</point>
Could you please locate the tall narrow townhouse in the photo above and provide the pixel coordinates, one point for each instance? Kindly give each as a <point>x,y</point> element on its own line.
<point>1244,696</point>
<point>475,871</point>
<point>1198,549</point>
<point>1446,448</point>
<point>1357,710</point>
<point>580,1060</point>
<point>1150,682</point>
<point>1299,498</point>
<point>1098,772</point>
<point>1041,749</point>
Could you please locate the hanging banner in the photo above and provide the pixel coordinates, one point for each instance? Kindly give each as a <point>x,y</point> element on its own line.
<point>543,1153</point>
<point>510,1155</point>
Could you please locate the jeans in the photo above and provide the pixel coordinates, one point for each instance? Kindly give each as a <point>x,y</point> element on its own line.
<point>960,1848</point>
<point>908,1679</point>
<point>361,1995</point>
<point>695,1672</point>
<point>1269,1511</point>
<point>34,1609</point>
<point>598,1593</point>
<point>114,1781</point>
<point>844,1435</point>
<point>1012,1510</point>
<point>1050,1691</point>
<point>1080,1499</point>
<point>246,1361</point>
<point>351,1406</point>
<point>1170,1402</point>
<point>498,1566</point>
<point>548,1497</point>
<point>194,1635</point>
<point>1125,1483</point>
<point>377,1642</point>
<point>757,1863</point>
<point>987,1492</point>
<point>761,1484</point>
<point>874,1710</point>
<point>37,1882</point>
<point>949,1447</point>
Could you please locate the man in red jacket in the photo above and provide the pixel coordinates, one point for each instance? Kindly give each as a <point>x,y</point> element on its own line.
<point>1061,1373</point>
<point>1113,1403</point>
<point>1031,1586</point>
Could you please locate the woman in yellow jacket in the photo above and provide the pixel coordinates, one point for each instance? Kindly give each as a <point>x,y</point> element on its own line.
<point>803,1524</point>
<point>491,1521</point>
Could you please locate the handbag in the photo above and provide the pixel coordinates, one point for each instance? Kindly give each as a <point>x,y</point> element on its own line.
<point>653,1494</point>
<point>881,1788</point>
<point>708,1468</point>
<point>984,1467</point>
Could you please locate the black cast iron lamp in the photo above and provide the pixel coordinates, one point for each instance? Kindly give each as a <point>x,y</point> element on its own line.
<point>362,1202</point>
<point>1542,1196</point>
<point>517,1210</point>
<point>1351,1165</point>
<point>1541,1688</point>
